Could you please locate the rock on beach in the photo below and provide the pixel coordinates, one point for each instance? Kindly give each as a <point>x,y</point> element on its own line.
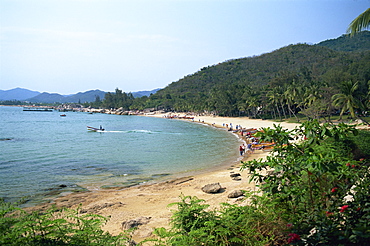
<point>212,188</point>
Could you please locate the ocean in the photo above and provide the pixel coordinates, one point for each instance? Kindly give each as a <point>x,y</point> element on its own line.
<point>44,155</point>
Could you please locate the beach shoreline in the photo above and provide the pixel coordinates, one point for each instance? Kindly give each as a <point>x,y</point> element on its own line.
<point>150,201</point>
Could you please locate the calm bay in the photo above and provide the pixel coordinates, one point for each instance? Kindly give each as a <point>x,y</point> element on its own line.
<point>43,154</point>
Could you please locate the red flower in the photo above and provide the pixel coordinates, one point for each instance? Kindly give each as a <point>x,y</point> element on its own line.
<point>348,164</point>
<point>334,189</point>
<point>293,237</point>
<point>343,208</point>
<point>362,159</point>
<point>358,209</point>
<point>289,225</point>
<point>329,213</point>
<point>353,165</point>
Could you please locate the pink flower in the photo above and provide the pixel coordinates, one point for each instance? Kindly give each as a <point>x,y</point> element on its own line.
<point>293,237</point>
<point>289,225</point>
<point>343,208</point>
<point>362,159</point>
<point>334,189</point>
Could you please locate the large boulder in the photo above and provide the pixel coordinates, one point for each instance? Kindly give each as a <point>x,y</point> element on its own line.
<point>236,194</point>
<point>212,188</point>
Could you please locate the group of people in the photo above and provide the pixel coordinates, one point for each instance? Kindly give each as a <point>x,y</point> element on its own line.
<point>246,149</point>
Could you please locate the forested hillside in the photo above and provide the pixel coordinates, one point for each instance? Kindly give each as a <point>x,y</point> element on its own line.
<point>250,85</point>
<point>296,79</point>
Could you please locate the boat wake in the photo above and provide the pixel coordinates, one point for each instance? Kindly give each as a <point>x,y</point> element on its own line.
<point>130,131</point>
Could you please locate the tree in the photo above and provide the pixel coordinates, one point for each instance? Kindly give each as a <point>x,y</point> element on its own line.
<point>274,98</point>
<point>108,100</point>
<point>346,100</point>
<point>290,96</point>
<point>360,23</point>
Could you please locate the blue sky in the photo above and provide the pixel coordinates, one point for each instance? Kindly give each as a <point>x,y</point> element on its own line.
<point>70,46</point>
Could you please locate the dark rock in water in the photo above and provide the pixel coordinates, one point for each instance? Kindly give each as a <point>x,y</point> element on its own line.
<point>236,194</point>
<point>234,175</point>
<point>212,188</point>
<point>135,223</point>
<point>62,186</point>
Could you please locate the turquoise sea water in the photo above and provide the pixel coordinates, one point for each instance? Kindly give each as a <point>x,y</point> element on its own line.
<point>48,154</point>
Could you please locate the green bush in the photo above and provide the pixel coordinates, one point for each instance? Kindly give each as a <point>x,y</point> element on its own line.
<point>54,227</point>
<point>322,191</point>
<point>230,225</point>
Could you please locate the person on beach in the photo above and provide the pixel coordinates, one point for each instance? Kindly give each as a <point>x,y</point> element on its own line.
<point>241,150</point>
<point>249,148</point>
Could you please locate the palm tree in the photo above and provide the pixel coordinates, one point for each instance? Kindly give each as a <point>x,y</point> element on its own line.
<point>346,100</point>
<point>290,95</point>
<point>360,23</point>
<point>280,96</point>
<point>253,103</point>
<point>274,99</point>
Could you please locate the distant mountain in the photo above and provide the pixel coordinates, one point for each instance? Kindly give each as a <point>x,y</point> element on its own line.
<point>46,97</point>
<point>19,94</point>
<point>144,93</point>
<point>359,42</point>
<point>88,96</point>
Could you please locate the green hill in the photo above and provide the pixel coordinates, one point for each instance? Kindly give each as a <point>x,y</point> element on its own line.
<point>230,84</point>
<point>359,42</point>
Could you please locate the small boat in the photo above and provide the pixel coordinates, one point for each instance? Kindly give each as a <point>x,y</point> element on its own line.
<point>63,115</point>
<point>93,129</point>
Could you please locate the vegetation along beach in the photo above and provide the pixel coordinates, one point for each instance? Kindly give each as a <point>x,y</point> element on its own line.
<point>284,137</point>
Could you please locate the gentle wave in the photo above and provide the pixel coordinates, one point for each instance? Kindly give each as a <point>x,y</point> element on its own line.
<point>130,131</point>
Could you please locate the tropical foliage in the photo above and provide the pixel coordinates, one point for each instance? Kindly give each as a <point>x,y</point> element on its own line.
<point>54,227</point>
<point>360,23</point>
<point>318,182</point>
<point>315,193</point>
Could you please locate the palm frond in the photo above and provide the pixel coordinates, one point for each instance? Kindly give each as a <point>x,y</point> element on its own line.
<point>360,23</point>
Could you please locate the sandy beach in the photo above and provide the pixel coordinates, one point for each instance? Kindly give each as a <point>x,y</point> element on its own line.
<point>150,202</point>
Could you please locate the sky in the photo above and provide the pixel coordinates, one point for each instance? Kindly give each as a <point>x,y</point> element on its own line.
<point>70,46</point>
